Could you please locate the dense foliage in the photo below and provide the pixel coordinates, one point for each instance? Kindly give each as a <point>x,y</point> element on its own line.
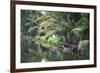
<point>54,36</point>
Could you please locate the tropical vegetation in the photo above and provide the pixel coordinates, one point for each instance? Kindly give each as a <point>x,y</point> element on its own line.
<point>54,36</point>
